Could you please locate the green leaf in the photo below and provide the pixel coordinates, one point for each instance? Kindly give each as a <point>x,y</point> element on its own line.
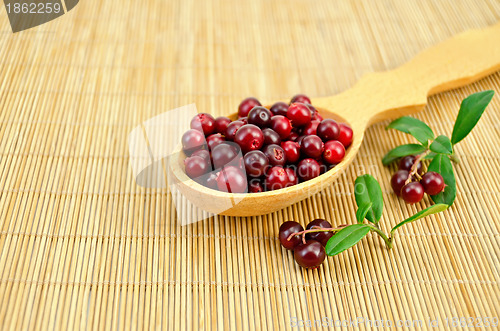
<point>403,150</point>
<point>469,114</point>
<point>421,214</point>
<point>346,238</point>
<point>442,165</point>
<point>429,156</point>
<point>367,190</point>
<point>441,145</point>
<point>418,129</point>
<point>362,211</point>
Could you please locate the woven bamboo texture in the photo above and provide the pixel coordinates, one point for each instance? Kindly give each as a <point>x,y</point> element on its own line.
<point>83,247</point>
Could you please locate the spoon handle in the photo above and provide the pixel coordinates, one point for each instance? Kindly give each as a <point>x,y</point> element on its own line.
<point>455,62</point>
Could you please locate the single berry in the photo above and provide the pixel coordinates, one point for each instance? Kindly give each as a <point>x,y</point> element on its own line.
<point>287,229</point>
<point>292,151</point>
<point>314,112</point>
<point>255,186</point>
<point>246,105</point>
<point>323,167</point>
<point>260,116</point>
<point>192,140</point>
<point>196,166</point>
<point>225,154</point>
<point>275,154</point>
<point>433,183</point>
<point>299,140</point>
<point>309,255</point>
<point>232,128</point>
<point>221,124</point>
<point>203,153</point>
<point>231,179</point>
<point>203,122</point>
<point>271,137</point>
<point>311,128</point>
<point>308,169</point>
<point>321,237</point>
<point>300,98</point>
<point>249,137</point>
<point>299,114</point>
<point>281,125</point>
<point>256,163</point>
<point>293,136</point>
<point>276,178</point>
<point>398,181</point>
<point>412,192</point>
<point>279,108</point>
<point>407,162</point>
<point>214,140</point>
<point>211,181</point>
<point>243,119</point>
<point>292,177</point>
<point>311,146</point>
<point>345,135</point>
<point>334,152</point>
<point>328,130</point>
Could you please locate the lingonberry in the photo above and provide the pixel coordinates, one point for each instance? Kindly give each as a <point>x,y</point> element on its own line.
<point>243,119</point>
<point>232,128</point>
<point>224,154</point>
<point>214,140</point>
<point>292,151</point>
<point>276,178</point>
<point>260,116</point>
<point>255,186</point>
<point>203,122</point>
<point>249,137</point>
<point>256,163</point>
<point>321,237</point>
<point>292,177</point>
<point>328,130</point>
<point>432,182</point>
<point>286,230</point>
<point>192,140</point>
<point>315,116</point>
<point>398,181</point>
<point>334,152</point>
<point>279,108</point>
<point>202,153</point>
<point>412,192</point>
<point>275,154</point>
<point>299,140</point>
<point>311,146</point>
<point>211,181</point>
<point>308,169</point>
<point>311,127</point>
<point>309,255</point>
<point>281,125</point>
<point>221,124</point>
<point>293,136</point>
<point>300,98</point>
<point>231,179</point>
<point>407,162</point>
<point>299,114</point>
<point>246,105</point>
<point>196,166</point>
<point>345,135</point>
<point>271,137</point>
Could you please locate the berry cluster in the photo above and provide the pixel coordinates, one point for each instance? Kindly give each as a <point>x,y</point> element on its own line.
<point>308,246</point>
<point>410,183</point>
<point>265,149</point>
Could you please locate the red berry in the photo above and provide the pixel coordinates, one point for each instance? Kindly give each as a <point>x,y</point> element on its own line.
<point>202,153</point>
<point>407,162</point>
<point>275,154</point>
<point>345,135</point>
<point>328,130</point>
<point>225,154</point>
<point>243,119</point>
<point>271,137</point>
<point>255,186</point>
<point>211,181</point>
<point>249,137</point>
<point>279,108</point>
<point>246,105</point>
<point>299,114</point>
<point>281,125</point>
<point>203,122</point>
<point>309,255</point>
<point>293,136</point>
<point>214,140</point>
<point>300,98</point>
<point>276,178</point>
<point>231,179</point>
<point>221,124</point>
<point>311,128</point>
<point>256,163</point>
<point>398,181</point>
<point>192,140</point>
<point>412,192</point>
<point>321,237</point>
<point>308,169</point>
<point>286,229</point>
<point>314,112</point>
<point>311,146</point>
<point>232,128</point>
<point>433,183</point>
<point>196,166</point>
<point>259,116</point>
<point>292,151</point>
<point>292,177</point>
<point>334,152</point>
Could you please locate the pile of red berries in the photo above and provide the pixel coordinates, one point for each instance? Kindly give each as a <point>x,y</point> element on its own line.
<point>410,183</point>
<point>308,246</point>
<point>265,149</point>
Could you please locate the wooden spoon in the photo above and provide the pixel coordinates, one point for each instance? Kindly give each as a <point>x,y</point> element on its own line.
<point>376,97</point>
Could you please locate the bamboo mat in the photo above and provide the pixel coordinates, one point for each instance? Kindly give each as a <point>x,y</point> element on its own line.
<point>82,246</point>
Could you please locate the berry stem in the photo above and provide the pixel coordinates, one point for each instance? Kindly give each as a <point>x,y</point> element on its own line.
<point>414,167</point>
<point>388,240</point>
<point>303,233</point>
